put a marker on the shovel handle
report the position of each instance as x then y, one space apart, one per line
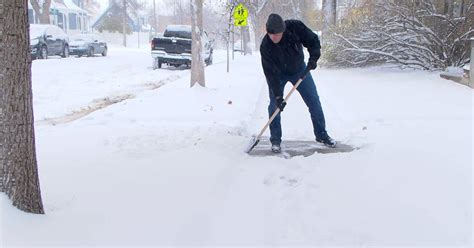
277 111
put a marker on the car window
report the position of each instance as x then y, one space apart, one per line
82 37
180 31
77 38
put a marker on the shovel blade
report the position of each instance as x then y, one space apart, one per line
253 143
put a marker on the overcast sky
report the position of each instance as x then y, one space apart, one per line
159 4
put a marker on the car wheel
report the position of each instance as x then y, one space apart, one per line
43 53
90 52
159 64
155 64
65 52
104 53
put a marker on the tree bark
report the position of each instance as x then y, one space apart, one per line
18 165
42 11
197 62
329 15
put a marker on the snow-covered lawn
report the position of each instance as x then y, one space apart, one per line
164 165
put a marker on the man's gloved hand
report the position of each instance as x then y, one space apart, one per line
280 103
312 64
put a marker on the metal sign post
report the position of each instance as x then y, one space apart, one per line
233 41
240 20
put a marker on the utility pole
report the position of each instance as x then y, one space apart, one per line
124 24
139 29
154 16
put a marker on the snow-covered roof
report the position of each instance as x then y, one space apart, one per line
57 5
100 16
67 5
109 8
63 5
71 5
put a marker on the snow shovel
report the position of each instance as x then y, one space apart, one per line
255 139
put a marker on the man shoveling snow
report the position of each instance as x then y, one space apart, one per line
282 61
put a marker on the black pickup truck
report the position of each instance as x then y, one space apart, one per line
174 47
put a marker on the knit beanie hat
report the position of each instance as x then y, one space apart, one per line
275 24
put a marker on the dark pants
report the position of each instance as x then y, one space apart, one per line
307 90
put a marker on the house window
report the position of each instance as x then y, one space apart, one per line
79 22
72 21
60 17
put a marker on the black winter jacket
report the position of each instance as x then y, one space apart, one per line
287 56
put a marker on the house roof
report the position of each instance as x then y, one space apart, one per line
99 17
64 5
104 13
71 5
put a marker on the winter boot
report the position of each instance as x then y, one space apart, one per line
327 141
276 148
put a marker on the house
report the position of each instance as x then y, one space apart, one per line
137 22
66 14
113 12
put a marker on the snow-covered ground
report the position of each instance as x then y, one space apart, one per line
164 165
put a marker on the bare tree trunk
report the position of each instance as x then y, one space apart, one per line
18 165
197 62
256 8
329 15
124 22
246 39
42 11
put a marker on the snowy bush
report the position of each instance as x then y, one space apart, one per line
420 34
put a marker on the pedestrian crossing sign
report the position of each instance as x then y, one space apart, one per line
240 15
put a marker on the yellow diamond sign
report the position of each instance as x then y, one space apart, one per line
240 15
240 22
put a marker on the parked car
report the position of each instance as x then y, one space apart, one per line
87 44
174 47
48 40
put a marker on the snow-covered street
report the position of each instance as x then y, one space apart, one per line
132 156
